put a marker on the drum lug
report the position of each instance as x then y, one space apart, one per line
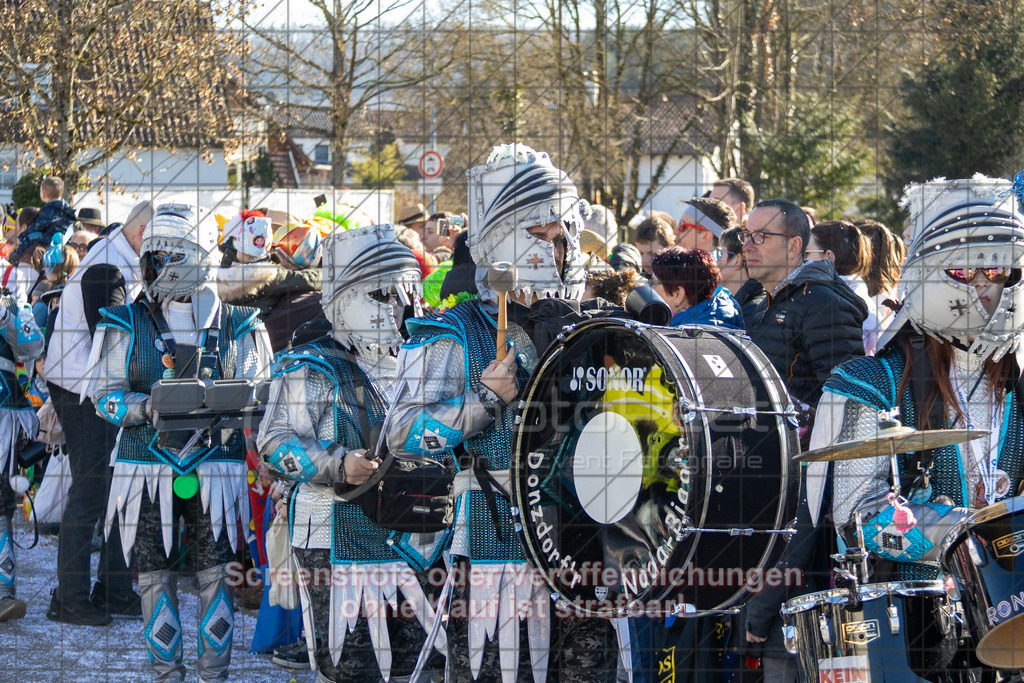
826 633
790 637
894 619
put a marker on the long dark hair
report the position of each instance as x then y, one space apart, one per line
940 358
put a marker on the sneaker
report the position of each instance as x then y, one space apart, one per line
294 656
78 613
127 603
11 608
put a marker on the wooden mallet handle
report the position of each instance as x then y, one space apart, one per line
502 325
502 278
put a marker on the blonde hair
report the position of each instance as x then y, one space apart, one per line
52 187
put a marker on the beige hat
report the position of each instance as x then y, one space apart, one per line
140 213
412 214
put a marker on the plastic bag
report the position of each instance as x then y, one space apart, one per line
284 573
52 494
50 430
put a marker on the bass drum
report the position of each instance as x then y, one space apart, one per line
652 469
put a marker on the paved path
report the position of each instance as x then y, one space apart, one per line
35 649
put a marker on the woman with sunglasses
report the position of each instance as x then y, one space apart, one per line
948 361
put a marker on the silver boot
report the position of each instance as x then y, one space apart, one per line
216 623
159 593
7 565
10 606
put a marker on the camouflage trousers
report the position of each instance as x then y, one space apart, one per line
581 650
358 662
206 550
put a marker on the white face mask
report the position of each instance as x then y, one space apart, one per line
364 317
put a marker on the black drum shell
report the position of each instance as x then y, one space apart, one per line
724 491
922 650
985 553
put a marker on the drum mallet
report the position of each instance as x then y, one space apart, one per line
502 278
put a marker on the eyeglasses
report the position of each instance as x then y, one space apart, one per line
160 261
757 238
997 276
80 247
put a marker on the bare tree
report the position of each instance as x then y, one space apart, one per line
362 56
81 78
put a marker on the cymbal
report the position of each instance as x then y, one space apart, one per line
898 439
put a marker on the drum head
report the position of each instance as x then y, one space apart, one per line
612 474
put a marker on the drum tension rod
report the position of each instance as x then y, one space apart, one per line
741 531
736 410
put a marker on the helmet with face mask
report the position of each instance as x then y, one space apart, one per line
175 254
368 276
518 189
959 229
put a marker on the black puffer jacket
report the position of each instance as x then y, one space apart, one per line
808 327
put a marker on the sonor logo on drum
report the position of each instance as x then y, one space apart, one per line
605 379
1003 609
860 632
1009 546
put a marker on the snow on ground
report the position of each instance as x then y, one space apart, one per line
37 649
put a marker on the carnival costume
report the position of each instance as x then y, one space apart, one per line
180 329
21 341
958 224
442 409
322 394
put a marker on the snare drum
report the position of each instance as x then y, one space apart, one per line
905 631
985 552
651 462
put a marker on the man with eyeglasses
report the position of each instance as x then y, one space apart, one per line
810 323
812 320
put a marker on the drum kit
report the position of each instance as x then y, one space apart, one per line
656 471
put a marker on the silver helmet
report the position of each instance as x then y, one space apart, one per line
175 254
957 225
517 189
368 278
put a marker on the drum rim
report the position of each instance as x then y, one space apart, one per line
867 591
962 529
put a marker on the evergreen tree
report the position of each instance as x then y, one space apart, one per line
964 110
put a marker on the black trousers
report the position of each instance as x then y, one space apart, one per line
90 439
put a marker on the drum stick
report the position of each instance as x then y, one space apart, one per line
502 278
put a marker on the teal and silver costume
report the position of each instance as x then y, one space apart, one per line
311 423
181 323
20 341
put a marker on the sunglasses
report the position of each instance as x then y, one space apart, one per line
684 226
160 261
997 276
